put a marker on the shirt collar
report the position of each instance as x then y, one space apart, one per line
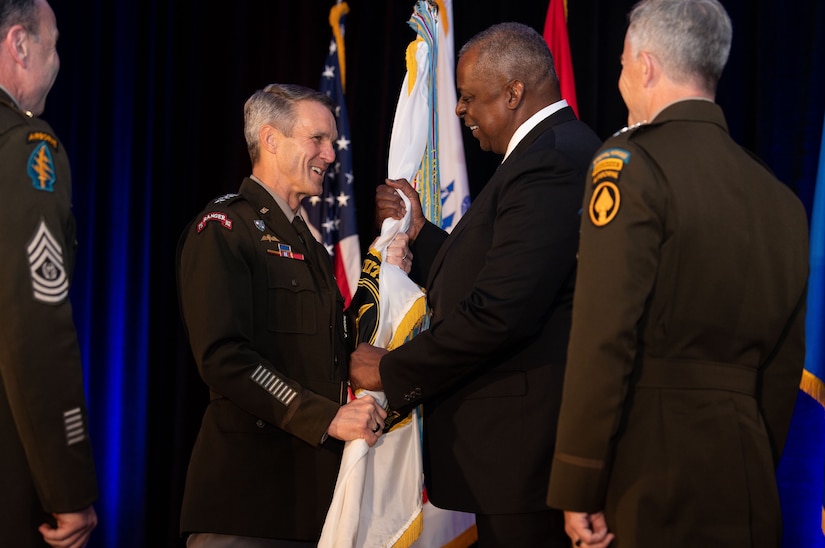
278 200
532 122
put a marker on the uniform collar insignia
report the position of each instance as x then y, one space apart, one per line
629 128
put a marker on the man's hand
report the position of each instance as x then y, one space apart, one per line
398 252
363 367
361 418
587 529
73 529
388 203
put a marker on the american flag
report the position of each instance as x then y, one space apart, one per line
332 214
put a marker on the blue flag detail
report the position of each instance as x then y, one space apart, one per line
801 473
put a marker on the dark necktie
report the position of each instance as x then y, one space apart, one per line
306 236
316 256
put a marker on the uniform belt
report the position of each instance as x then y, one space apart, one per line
696 375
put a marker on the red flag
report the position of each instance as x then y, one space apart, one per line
555 34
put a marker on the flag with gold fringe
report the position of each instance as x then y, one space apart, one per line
801 472
378 498
378 494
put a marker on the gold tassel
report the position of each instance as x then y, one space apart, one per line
813 386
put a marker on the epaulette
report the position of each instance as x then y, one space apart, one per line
12 116
9 103
627 129
226 198
223 200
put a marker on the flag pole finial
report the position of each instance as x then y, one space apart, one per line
335 14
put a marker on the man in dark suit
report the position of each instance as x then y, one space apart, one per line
687 344
266 325
489 370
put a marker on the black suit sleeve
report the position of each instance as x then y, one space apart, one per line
424 248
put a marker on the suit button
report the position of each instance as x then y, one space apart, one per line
259 423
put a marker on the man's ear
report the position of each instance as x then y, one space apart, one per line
17 44
651 69
515 93
270 137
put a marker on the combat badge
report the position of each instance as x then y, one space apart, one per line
50 283
607 169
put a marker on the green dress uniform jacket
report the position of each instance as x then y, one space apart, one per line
46 462
267 329
687 343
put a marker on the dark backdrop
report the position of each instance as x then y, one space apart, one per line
149 105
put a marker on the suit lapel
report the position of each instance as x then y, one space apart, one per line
565 114
490 189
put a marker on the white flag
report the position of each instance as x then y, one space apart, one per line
378 497
455 189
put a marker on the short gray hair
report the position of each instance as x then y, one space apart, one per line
691 38
275 105
18 12
514 50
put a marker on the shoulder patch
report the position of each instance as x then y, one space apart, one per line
219 216
41 167
42 136
50 283
605 174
